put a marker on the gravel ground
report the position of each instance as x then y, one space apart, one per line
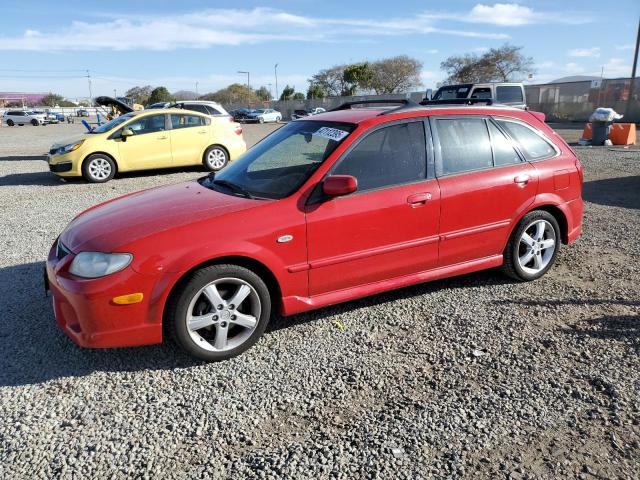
473 377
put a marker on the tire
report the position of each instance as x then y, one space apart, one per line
98 168
35 122
215 158
529 257
10 123
278 119
203 321
260 120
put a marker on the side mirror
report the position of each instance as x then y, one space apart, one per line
338 185
126 132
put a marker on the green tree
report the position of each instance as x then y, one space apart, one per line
233 94
357 76
287 93
503 64
298 96
159 94
52 100
315 91
139 94
263 94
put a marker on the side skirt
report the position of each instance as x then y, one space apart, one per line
296 304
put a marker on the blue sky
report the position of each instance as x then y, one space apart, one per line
47 46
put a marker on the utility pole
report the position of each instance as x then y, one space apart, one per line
633 72
90 94
248 82
275 69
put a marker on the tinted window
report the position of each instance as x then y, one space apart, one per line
503 151
531 143
455 91
212 111
196 108
185 121
484 92
464 145
509 94
390 156
150 124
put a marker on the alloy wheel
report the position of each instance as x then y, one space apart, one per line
223 314
536 247
216 159
99 168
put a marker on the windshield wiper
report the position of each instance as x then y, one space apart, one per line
235 187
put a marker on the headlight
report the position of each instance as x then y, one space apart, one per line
96 264
71 147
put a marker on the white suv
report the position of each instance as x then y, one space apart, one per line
22 117
203 106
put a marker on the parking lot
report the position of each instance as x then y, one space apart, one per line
476 376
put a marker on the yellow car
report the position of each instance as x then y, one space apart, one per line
148 139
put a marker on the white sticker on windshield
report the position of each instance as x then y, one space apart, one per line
331 133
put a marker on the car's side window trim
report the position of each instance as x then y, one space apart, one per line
371 131
512 142
538 132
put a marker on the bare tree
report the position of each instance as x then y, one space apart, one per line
331 80
396 74
139 94
497 65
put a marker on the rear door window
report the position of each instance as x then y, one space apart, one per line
389 156
532 144
179 120
503 151
509 94
212 111
464 145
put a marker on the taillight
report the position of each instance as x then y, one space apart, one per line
238 129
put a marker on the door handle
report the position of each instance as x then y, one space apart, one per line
202 132
164 137
522 180
418 199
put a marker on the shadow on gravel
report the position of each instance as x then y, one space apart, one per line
12 158
35 350
622 328
478 279
614 192
32 178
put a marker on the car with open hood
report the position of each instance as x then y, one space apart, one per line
326 209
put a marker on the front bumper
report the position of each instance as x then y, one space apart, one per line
84 309
65 164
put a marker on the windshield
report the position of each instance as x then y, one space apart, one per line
105 127
279 165
452 92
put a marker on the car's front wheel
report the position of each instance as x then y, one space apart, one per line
260 119
220 312
35 122
215 158
10 123
278 119
98 168
533 246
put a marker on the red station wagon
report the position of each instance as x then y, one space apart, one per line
326 209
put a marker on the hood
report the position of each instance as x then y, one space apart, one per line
68 140
113 224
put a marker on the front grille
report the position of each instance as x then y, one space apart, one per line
61 251
61 167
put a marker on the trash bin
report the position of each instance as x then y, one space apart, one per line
600 132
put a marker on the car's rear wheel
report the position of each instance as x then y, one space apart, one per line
215 158
278 119
10 123
260 120
98 168
533 246
35 122
221 311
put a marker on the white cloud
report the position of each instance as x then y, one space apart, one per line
584 52
617 67
212 27
511 15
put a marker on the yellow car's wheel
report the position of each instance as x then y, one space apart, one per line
98 168
215 158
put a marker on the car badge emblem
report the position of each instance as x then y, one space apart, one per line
285 238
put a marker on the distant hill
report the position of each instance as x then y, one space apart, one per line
575 78
185 95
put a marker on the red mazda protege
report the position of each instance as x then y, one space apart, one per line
326 209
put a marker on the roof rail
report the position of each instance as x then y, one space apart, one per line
405 103
458 101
